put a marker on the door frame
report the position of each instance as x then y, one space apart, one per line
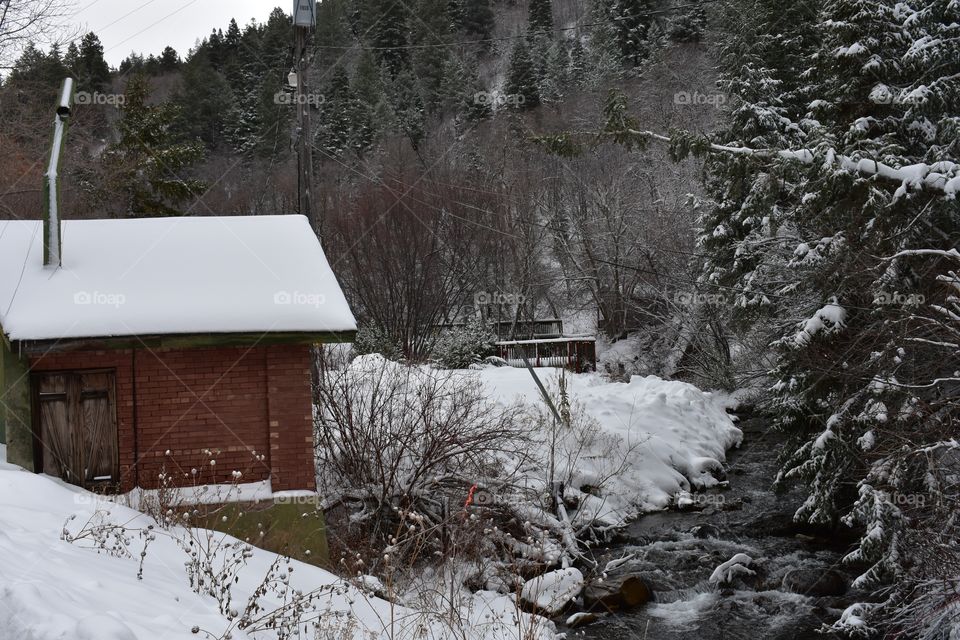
37 427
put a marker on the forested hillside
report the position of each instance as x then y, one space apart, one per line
430 186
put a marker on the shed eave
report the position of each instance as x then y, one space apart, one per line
183 341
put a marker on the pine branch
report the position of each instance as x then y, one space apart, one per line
942 176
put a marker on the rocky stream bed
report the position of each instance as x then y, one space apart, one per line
797 581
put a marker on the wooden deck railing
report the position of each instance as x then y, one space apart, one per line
576 353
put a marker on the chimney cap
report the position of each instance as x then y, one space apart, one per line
65 101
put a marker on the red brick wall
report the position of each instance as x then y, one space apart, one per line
253 405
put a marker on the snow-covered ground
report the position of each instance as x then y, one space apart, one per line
644 443
51 589
653 439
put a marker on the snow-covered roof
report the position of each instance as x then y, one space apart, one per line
161 276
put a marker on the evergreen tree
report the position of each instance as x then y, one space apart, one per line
602 58
133 62
522 86
368 86
169 60
259 121
345 125
476 20
408 109
203 98
429 34
148 165
578 62
215 49
861 377
332 36
151 66
555 78
92 70
72 57
38 75
464 95
540 20
389 34
231 39
631 21
689 26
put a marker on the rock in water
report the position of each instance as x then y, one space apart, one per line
815 582
580 619
736 567
551 592
705 531
616 594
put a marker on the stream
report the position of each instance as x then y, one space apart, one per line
799 582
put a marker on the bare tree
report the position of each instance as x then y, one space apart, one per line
37 21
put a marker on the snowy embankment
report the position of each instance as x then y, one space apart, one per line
54 589
655 439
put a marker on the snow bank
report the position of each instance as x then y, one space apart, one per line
552 591
51 589
657 437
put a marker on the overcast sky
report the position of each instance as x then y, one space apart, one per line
147 26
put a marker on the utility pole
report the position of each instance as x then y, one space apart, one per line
304 22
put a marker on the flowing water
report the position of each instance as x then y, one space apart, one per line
677 551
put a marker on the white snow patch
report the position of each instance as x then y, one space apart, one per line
736 566
828 318
551 591
51 589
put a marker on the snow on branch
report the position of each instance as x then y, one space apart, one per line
941 176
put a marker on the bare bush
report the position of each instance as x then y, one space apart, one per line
395 437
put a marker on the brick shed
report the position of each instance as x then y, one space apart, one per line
160 340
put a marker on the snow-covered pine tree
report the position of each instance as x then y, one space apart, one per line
867 382
335 128
388 29
630 21
148 166
408 109
476 19
203 98
540 17
522 85
429 33
556 73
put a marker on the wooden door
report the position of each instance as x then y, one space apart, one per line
77 427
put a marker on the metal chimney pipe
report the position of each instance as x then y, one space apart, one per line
52 237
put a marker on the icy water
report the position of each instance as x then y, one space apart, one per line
676 552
